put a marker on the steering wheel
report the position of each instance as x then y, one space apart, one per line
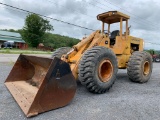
106 32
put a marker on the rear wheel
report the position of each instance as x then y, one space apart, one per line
98 69
61 51
157 59
140 67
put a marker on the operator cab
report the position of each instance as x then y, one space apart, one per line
112 17
113 36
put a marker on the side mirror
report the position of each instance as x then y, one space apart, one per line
129 27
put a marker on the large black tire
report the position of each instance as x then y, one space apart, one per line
139 67
98 69
157 59
61 51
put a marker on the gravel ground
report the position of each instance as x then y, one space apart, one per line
125 101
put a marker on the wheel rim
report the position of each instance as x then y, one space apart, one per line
105 70
146 68
157 59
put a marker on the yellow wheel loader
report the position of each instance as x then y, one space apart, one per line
42 84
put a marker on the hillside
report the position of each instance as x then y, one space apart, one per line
52 40
56 41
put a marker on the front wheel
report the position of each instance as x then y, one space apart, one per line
98 69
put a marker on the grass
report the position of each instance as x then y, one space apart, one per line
18 51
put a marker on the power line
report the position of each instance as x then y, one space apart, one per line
103 4
135 21
56 19
142 23
70 8
153 43
142 19
49 17
93 5
46 16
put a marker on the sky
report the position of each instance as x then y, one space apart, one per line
144 16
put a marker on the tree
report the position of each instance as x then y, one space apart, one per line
34 29
57 41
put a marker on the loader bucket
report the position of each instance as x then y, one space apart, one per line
40 84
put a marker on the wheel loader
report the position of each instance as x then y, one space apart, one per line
42 84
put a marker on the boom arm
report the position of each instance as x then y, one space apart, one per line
85 41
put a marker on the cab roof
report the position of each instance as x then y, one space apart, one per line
112 17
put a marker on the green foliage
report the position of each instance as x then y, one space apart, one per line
10 30
57 41
34 29
153 52
52 40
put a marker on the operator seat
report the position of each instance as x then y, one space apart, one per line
113 36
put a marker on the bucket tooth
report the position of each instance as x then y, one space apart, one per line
41 84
